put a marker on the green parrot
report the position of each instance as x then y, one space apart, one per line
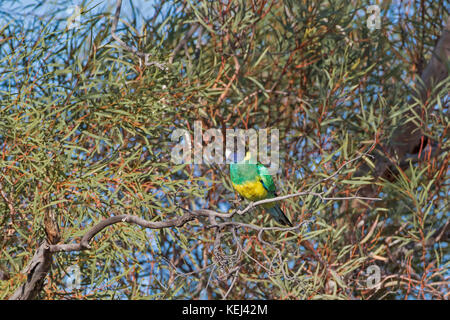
253 182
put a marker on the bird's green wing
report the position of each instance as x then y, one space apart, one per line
266 178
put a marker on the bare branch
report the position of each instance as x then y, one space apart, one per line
84 243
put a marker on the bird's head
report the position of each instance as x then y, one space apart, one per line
249 157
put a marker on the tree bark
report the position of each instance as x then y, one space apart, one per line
36 272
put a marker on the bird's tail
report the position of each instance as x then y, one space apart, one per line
279 215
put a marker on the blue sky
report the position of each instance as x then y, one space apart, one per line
28 9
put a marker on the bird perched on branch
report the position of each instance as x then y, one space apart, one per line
253 182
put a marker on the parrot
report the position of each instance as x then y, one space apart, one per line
253 182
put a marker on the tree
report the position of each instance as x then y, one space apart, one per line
87 183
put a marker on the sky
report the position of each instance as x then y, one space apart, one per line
27 9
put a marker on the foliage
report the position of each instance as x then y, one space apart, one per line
85 132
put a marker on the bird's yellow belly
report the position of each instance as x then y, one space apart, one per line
252 191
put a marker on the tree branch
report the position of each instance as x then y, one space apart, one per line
40 264
84 243
36 272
